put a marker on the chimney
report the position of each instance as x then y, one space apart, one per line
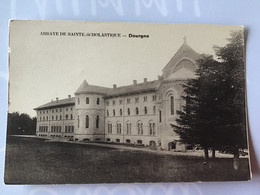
134 82
114 86
160 77
145 80
69 96
57 99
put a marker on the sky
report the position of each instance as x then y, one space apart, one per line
43 67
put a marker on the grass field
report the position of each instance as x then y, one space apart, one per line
34 161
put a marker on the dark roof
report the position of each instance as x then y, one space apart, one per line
57 103
86 88
141 87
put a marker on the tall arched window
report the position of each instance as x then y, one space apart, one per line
172 105
87 122
97 101
60 117
145 110
87 100
140 128
71 116
46 118
128 128
120 112
128 111
114 112
78 121
152 128
109 127
136 111
97 122
118 126
107 112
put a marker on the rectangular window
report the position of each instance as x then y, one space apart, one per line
114 102
120 102
128 100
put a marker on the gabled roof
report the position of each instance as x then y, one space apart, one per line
184 52
57 103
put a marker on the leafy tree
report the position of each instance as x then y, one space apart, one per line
21 124
214 115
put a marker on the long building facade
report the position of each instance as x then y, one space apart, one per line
140 113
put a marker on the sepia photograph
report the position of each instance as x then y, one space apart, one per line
106 102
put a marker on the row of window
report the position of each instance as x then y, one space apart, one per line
55 110
145 111
128 100
69 129
56 129
43 128
87 100
87 121
56 118
139 126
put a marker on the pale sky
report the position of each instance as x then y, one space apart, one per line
45 67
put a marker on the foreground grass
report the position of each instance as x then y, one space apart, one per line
33 161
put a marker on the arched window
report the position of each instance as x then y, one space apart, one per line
160 116
52 117
118 128
128 128
136 111
97 122
140 128
87 121
172 105
152 128
46 118
114 112
66 116
60 117
109 128
107 112
97 101
71 116
145 110
78 121
128 111
56 117
87 100
120 112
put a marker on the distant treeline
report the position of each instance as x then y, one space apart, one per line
20 124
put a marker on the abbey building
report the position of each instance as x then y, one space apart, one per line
140 113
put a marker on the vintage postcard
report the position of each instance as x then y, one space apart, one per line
103 102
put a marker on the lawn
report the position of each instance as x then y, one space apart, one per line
34 161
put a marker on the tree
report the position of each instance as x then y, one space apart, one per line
195 124
214 115
19 124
